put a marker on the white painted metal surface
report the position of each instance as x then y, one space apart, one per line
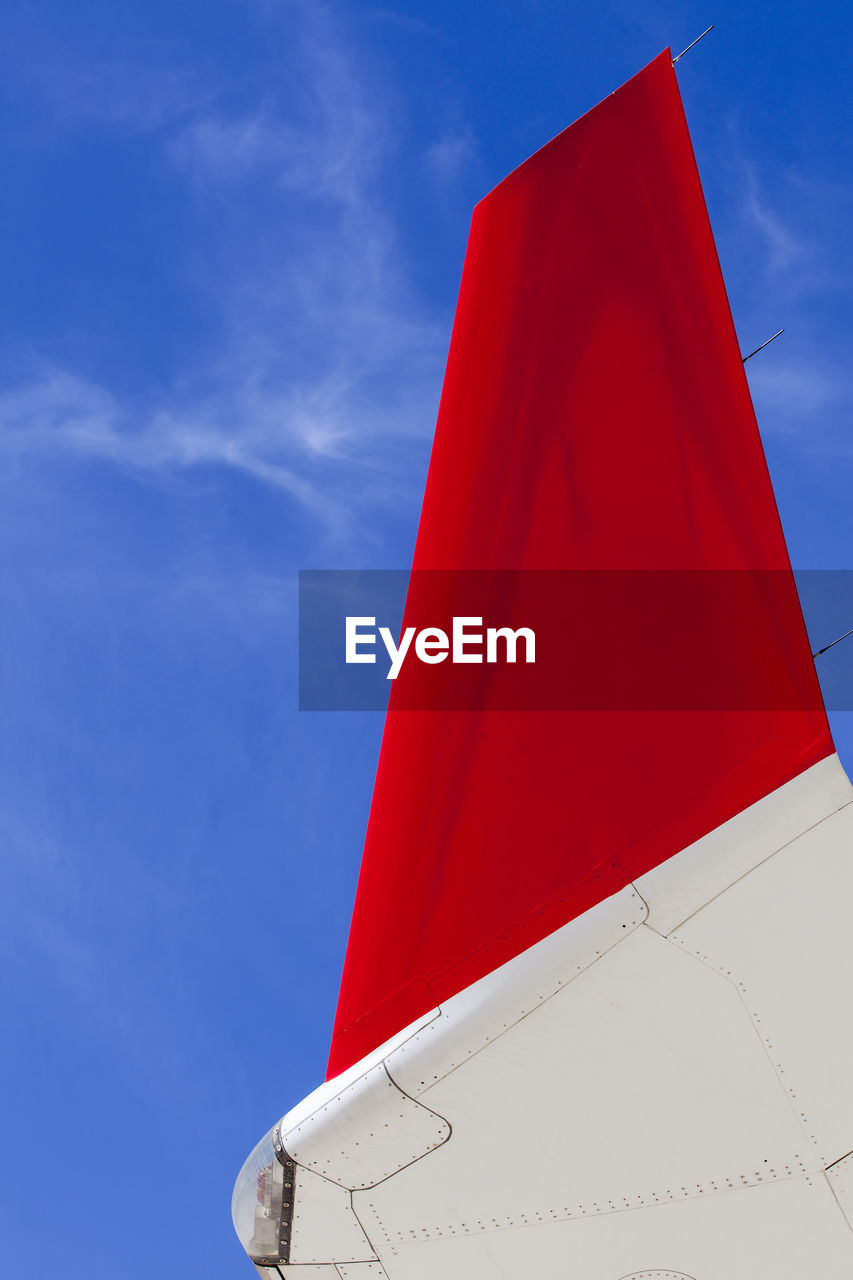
840 1178
368 1132
327 1272
659 1089
363 1271
782 937
324 1225
791 1230
576 1095
488 1008
681 886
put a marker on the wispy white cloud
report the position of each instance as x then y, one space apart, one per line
329 362
58 410
312 443
784 248
780 276
125 96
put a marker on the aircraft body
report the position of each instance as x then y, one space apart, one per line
594 1018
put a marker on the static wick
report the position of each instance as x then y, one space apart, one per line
690 46
829 646
763 345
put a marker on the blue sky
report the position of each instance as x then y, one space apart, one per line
231 239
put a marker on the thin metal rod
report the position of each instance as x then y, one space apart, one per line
690 46
829 646
763 345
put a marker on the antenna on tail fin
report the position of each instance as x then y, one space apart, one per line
690 46
834 643
763 345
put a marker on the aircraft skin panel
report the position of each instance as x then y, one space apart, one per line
788 947
840 1179
342 1143
641 1077
327 1271
613 1101
677 889
363 1271
306 1272
473 1018
784 1231
324 1225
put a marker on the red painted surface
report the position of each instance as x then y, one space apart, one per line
595 415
